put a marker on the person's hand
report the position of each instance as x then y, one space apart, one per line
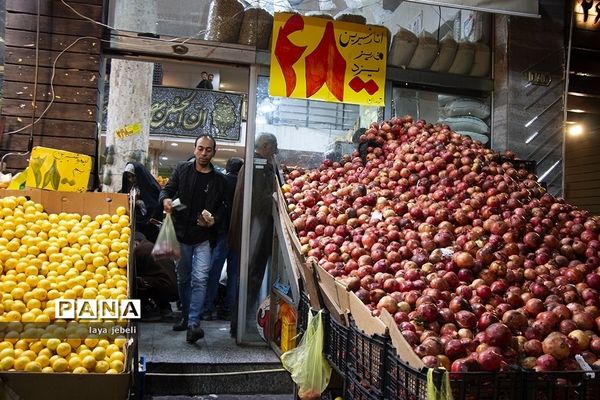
168 205
141 206
205 219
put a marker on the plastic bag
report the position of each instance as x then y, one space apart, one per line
166 245
306 363
443 392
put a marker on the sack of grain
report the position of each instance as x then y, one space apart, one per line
256 28
403 47
425 52
447 52
224 20
347 16
482 60
463 61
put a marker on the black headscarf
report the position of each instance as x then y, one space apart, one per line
149 190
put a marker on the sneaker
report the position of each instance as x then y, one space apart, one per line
194 333
181 325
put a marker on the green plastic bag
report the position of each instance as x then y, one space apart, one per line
444 392
306 363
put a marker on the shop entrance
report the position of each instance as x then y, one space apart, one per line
179 113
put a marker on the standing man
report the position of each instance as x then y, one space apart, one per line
264 172
221 253
205 83
201 190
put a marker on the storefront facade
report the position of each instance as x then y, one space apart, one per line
485 73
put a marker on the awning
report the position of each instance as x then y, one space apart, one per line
523 8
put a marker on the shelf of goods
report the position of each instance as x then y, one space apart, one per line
435 252
57 246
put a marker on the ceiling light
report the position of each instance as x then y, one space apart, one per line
164 158
575 130
174 144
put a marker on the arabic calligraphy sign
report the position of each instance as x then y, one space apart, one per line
318 59
190 112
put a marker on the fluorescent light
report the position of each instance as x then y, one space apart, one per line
545 174
164 158
530 138
174 144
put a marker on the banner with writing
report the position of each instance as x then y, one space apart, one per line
318 59
190 112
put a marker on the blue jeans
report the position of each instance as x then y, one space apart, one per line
192 277
221 252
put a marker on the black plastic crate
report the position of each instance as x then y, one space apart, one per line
367 357
405 382
358 389
563 385
336 345
402 381
302 315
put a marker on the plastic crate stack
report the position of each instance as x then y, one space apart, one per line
336 345
373 371
366 362
302 317
405 382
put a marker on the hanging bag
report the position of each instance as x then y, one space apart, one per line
166 245
306 363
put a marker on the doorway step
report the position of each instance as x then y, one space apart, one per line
214 365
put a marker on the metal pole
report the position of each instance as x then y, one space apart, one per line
245 236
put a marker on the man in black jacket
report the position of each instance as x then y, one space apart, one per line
202 191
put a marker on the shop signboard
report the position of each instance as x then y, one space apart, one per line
318 59
525 8
191 112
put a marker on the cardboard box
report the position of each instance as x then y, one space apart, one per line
66 386
403 349
364 320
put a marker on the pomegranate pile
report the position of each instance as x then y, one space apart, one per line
480 266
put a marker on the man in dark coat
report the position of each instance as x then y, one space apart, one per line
264 172
201 190
221 252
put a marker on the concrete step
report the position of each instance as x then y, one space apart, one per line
163 379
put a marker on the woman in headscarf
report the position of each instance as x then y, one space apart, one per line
138 179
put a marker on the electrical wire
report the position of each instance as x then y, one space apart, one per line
52 82
34 101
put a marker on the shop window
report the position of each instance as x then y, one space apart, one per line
466 115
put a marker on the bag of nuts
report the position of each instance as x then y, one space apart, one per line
256 28
224 21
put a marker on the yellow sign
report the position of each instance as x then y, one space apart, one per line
53 169
129 130
318 59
